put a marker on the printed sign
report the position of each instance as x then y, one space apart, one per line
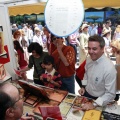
64 17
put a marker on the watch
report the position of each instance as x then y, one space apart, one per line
95 104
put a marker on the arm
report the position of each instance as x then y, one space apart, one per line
25 69
50 80
61 55
18 58
18 55
30 65
63 58
81 91
55 83
56 80
77 41
28 117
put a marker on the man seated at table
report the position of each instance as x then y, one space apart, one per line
100 75
11 104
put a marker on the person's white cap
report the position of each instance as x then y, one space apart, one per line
84 26
105 31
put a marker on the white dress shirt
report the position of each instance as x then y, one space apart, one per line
93 31
101 79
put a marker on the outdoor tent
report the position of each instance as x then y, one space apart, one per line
21 7
39 7
7 36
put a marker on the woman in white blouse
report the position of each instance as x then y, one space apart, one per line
38 37
83 42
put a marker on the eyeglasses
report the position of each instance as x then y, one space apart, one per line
20 98
57 38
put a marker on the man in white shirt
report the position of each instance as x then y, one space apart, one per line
93 31
100 75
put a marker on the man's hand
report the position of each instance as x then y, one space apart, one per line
41 77
88 106
48 78
81 91
59 47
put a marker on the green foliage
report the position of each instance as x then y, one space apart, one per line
18 19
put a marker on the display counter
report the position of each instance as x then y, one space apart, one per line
37 97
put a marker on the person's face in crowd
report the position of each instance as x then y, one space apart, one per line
17 36
57 41
46 32
85 29
109 24
35 54
48 67
94 50
16 110
38 33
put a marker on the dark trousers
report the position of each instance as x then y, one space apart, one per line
86 94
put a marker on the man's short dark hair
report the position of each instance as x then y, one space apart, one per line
5 102
97 38
35 46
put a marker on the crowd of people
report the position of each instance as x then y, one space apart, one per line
54 59
40 42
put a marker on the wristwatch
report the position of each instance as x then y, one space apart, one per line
95 104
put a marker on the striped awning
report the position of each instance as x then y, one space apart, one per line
99 4
39 7
27 9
